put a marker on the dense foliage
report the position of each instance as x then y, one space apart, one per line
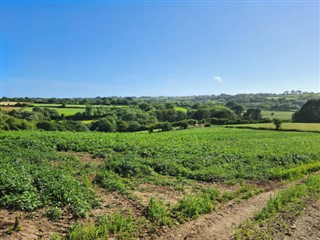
29 179
309 112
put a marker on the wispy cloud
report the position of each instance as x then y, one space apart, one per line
217 79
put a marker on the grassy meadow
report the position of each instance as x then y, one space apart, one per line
277 114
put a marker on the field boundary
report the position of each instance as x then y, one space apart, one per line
273 129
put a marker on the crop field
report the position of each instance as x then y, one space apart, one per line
64 185
277 114
312 127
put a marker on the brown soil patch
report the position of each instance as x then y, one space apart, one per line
166 194
33 225
114 202
170 196
307 225
86 157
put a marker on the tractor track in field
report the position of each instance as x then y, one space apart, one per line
221 224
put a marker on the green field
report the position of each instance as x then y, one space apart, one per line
63 175
204 154
285 126
66 111
277 114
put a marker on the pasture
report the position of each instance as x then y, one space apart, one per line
277 114
68 111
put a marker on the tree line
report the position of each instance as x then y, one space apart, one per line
145 116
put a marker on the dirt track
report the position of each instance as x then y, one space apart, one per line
220 224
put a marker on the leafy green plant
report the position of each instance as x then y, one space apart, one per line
111 181
53 213
114 225
191 206
157 212
81 231
118 225
213 193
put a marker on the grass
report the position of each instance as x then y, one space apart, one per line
277 114
314 127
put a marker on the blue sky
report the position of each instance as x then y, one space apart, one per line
168 48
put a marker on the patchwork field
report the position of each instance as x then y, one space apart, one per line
167 185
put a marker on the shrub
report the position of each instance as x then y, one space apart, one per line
46 125
277 122
166 127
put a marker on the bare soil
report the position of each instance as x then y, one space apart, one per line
33 225
166 194
307 225
86 157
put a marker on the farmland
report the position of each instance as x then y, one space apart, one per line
312 127
277 114
98 184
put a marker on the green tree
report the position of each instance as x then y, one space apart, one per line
238 109
309 112
104 125
277 122
166 127
89 110
253 114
